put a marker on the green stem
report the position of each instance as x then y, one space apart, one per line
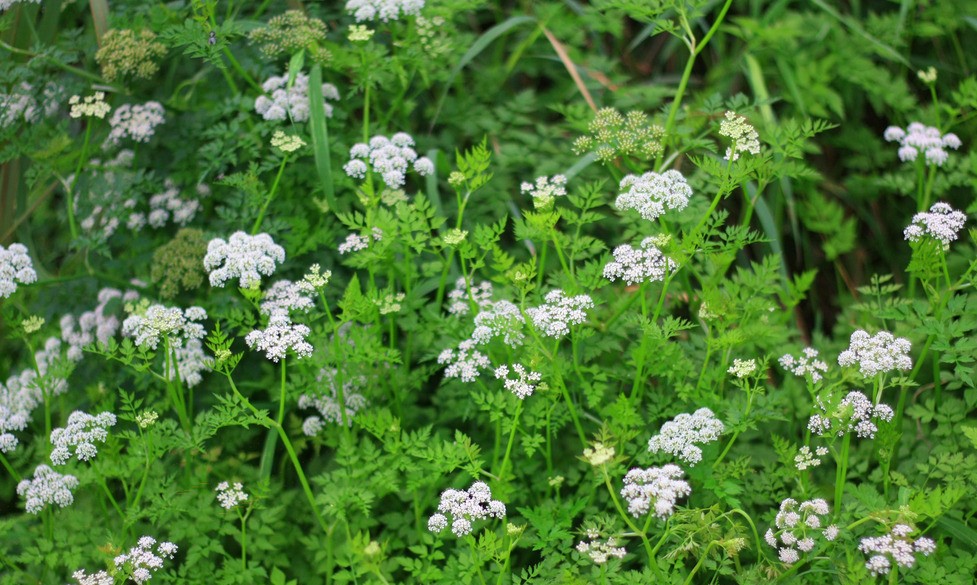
10 469
271 195
649 551
72 226
512 437
842 471
702 559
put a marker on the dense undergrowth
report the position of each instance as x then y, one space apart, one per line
448 291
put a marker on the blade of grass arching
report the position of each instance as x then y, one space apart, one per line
770 231
100 18
571 68
480 44
584 162
48 29
320 136
852 25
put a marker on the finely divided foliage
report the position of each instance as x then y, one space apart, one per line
500 293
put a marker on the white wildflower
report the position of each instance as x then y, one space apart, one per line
279 336
459 298
464 362
384 10
230 495
600 550
554 317
743 135
523 384
655 490
282 102
876 354
47 487
652 194
148 326
391 158
243 257
742 368
634 265
918 138
461 508
805 458
678 437
191 362
545 190
141 562
806 364
503 319
15 267
797 526
941 222
855 412
286 142
135 121
92 105
81 433
288 296
897 547
99 578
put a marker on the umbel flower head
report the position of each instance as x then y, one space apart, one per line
600 550
15 267
798 527
383 10
81 433
282 102
135 121
465 362
243 257
148 324
141 562
279 336
92 106
855 413
523 384
230 495
326 402
391 158
127 53
941 222
502 319
613 135
678 437
461 508
896 547
652 194
655 488
918 138
289 32
637 265
555 316
743 135
807 364
47 487
545 190
876 354
459 298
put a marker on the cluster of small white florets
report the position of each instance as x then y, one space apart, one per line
157 321
191 362
327 403
27 390
356 242
141 562
555 316
805 458
919 137
876 354
503 319
941 222
291 102
797 526
459 298
384 10
742 368
636 265
82 432
96 325
461 508
135 121
523 384
20 103
464 362
93 105
545 190
389 157
652 194
47 487
285 295
99 578
655 487
100 209
897 546
743 135
678 437
600 550
243 257
163 206
230 495
806 364
15 267
279 336
855 412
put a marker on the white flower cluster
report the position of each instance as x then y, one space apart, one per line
941 223
158 321
503 319
230 495
135 121
327 403
897 546
191 362
82 432
742 368
554 317
805 458
462 508
797 526
599 550
458 299
523 384
92 105
141 562
652 194
855 412
162 207
21 104
286 142
243 257
545 190
355 242
385 10
25 391
919 137
464 362
96 325
807 364
678 437
389 157
876 354
15 266
285 295
291 102
279 336
99 578
634 265
655 487
47 487
743 135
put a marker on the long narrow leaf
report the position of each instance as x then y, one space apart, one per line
100 18
571 68
320 137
